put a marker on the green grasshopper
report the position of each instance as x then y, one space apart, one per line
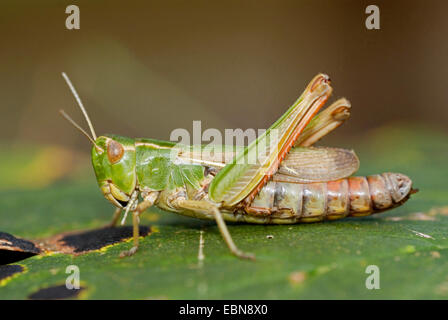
288 181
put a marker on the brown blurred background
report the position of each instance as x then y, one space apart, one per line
144 68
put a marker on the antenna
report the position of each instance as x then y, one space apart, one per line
77 126
81 106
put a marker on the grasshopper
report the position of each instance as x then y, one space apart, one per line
289 182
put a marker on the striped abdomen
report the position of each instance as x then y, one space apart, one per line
309 202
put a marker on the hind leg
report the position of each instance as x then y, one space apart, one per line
209 208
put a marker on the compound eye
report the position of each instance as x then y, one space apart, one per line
115 151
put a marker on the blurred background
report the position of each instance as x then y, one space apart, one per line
144 68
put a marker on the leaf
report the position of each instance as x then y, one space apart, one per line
307 261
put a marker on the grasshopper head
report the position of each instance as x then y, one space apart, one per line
113 159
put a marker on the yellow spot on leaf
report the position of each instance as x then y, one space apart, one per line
408 249
54 271
297 278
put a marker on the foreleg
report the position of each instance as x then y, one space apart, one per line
148 202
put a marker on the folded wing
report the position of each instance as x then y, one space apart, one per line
317 164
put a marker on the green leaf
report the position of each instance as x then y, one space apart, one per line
308 261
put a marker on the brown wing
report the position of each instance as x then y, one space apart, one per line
317 164
301 165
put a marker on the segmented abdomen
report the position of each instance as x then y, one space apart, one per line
353 196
